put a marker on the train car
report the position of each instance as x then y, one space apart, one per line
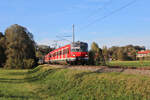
74 53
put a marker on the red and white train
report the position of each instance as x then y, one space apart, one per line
74 53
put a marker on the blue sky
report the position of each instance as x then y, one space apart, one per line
47 19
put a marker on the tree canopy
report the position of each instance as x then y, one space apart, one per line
2 50
95 55
42 50
125 52
20 49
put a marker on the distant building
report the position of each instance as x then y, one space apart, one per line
141 54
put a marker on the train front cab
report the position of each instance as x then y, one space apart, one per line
79 53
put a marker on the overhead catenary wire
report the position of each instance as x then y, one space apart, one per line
92 14
100 8
61 38
107 15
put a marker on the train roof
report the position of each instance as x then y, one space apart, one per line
78 42
60 48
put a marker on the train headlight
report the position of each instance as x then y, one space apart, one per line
73 55
86 55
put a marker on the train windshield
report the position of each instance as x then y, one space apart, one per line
79 47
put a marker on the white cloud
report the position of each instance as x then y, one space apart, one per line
46 41
123 41
52 42
117 41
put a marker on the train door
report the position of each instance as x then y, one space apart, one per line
66 53
62 54
56 55
59 54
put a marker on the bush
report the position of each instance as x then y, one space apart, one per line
28 63
95 55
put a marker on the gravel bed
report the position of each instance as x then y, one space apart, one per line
105 69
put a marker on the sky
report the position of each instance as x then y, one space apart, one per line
49 19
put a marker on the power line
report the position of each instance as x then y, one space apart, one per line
63 39
111 13
100 8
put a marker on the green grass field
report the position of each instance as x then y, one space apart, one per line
48 83
129 63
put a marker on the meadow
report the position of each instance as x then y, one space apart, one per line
129 63
50 83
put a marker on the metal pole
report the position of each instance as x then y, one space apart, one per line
73 34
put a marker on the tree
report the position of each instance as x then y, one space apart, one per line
126 52
105 53
95 55
121 54
20 47
102 59
2 50
42 50
113 52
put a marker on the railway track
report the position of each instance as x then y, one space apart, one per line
105 69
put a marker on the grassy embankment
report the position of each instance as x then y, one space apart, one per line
137 64
47 83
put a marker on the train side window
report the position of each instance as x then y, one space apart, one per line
64 51
68 51
60 52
